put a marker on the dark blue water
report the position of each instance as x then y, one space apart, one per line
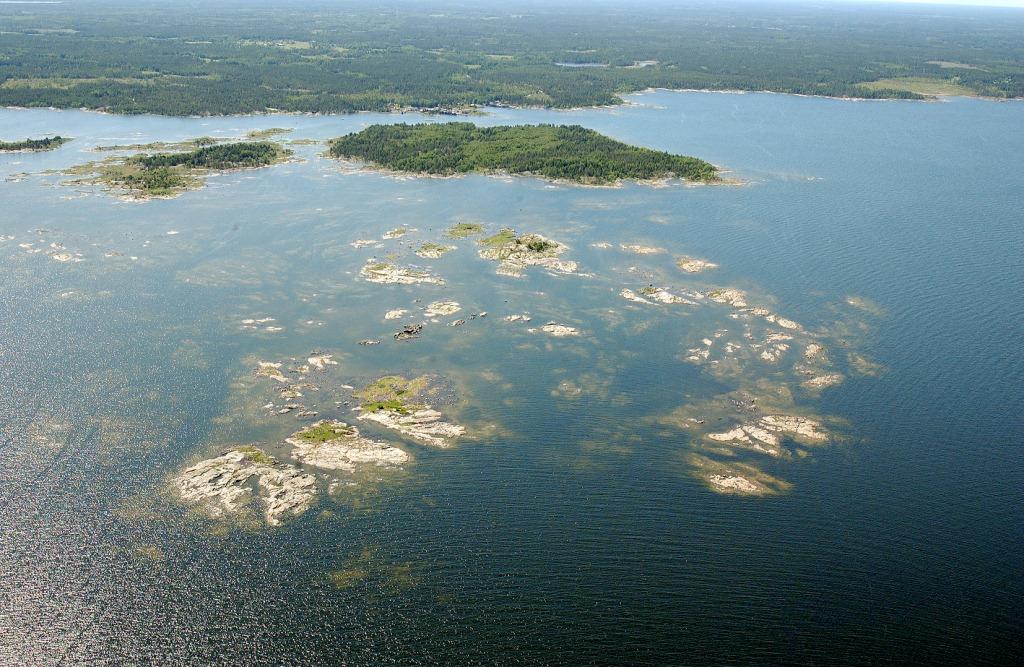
575 533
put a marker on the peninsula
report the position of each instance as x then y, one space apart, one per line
44 144
167 174
568 152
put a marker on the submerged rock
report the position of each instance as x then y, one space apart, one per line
735 478
814 352
775 346
861 365
321 361
699 354
641 249
733 484
800 429
270 369
335 445
229 483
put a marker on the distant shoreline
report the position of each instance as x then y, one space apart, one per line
484 110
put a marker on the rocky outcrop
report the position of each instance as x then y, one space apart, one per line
321 361
424 425
409 331
516 253
664 296
440 308
735 478
694 265
270 369
433 250
729 296
641 249
335 445
823 381
630 295
558 330
386 273
231 482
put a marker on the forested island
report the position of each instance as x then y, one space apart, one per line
225 156
44 144
569 152
166 174
225 58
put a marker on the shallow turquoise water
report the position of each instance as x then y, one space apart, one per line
577 534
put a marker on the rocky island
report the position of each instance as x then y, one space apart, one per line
335 445
562 152
397 403
230 483
515 252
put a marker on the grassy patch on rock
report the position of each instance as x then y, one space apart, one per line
325 431
392 393
463 229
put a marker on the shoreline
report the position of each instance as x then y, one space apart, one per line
844 98
359 167
485 110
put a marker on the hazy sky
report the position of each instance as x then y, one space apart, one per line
977 3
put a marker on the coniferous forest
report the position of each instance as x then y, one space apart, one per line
44 144
554 151
189 57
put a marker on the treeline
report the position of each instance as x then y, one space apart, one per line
223 156
44 144
552 151
217 58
